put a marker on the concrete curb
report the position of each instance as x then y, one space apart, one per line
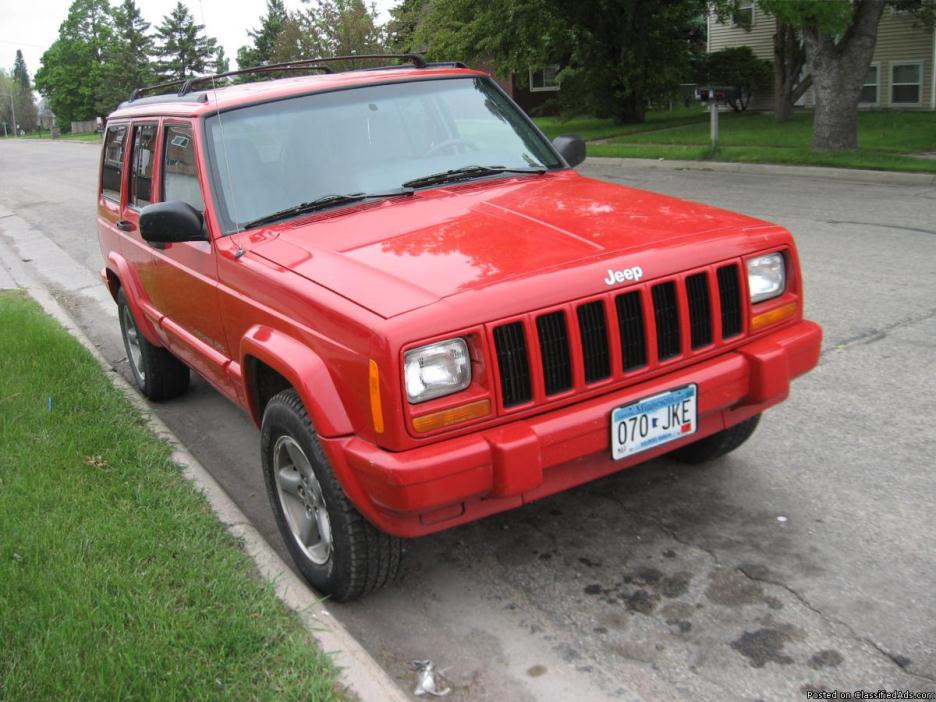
840 174
358 670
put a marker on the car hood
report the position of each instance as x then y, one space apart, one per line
396 255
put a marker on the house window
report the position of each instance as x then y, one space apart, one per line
872 82
906 82
743 15
542 79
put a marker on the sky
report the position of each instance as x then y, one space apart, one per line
33 25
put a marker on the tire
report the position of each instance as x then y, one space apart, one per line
717 445
157 373
338 551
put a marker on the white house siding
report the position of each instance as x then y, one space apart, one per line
759 38
900 40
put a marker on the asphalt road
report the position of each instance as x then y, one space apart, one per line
804 560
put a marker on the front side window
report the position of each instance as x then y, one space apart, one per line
112 161
141 170
869 92
180 169
269 157
905 83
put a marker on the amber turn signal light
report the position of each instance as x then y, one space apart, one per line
376 407
765 319
456 415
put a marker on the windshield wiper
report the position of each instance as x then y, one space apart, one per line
320 203
465 173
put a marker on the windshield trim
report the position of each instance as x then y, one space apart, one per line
229 227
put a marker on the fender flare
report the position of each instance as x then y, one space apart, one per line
305 371
133 290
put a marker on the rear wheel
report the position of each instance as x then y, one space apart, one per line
717 445
338 551
157 373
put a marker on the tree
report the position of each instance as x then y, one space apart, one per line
127 64
839 38
736 67
264 38
71 76
330 28
617 56
221 63
404 20
790 81
183 49
26 113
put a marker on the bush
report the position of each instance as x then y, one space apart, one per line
737 68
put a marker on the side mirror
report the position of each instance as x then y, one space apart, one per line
571 148
171 222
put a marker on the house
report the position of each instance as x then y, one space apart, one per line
901 74
530 89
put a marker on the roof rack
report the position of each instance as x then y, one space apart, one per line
319 64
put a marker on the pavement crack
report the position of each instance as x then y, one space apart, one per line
873 335
896 660
882 226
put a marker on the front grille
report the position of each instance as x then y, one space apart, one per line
641 313
729 293
554 352
666 311
700 310
631 325
511 347
594 332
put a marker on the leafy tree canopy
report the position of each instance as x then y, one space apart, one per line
71 75
182 46
264 38
618 56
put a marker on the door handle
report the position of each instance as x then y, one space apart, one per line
125 225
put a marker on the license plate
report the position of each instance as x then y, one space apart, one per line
653 421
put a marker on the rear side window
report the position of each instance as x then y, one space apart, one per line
141 172
180 172
112 163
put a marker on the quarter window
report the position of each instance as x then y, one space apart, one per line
869 92
141 173
180 171
906 79
112 162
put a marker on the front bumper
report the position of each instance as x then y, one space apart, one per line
417 492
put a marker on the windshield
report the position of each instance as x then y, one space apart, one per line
271 157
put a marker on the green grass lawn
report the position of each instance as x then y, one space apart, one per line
116 579
884 139
92 137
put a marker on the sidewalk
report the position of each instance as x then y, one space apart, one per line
841 174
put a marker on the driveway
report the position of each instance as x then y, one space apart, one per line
805 560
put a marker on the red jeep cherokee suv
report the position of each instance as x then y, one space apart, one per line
430 315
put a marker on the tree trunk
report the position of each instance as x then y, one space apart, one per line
838 71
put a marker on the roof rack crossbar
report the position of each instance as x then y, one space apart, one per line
314 64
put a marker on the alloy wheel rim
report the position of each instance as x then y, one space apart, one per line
301 498
132 338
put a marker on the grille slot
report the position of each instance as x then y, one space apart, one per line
631 327
594 334
511 347
700 310
554 352
729 294
666 313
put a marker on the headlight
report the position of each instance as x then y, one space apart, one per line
436 370
766 276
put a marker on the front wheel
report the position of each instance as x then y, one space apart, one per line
338 551
719 444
